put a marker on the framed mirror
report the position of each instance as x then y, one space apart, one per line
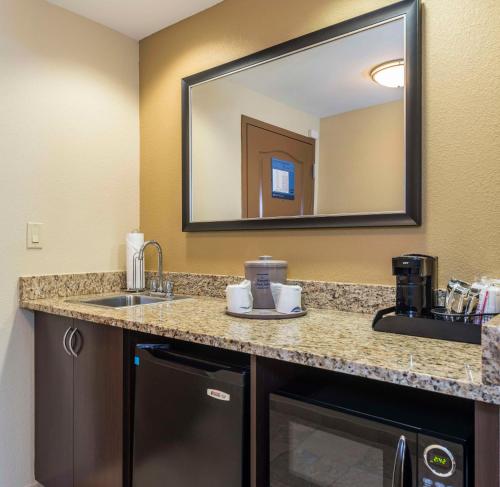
320 131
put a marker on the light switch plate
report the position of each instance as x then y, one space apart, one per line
34 235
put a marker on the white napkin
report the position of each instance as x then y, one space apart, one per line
239 297
287 298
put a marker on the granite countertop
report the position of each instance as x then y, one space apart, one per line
325 338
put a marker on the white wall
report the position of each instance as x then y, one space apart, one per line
216 142
69 157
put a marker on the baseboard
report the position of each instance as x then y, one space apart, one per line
36 484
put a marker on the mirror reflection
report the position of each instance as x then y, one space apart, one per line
317 132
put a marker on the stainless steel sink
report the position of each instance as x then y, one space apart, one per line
125 300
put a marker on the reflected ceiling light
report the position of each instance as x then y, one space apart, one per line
390 74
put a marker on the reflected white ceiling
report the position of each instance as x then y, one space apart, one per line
136 18
332 78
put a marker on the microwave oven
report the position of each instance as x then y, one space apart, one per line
314 443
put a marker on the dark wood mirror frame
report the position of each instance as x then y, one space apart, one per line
413 127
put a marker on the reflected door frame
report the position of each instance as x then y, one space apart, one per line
249 121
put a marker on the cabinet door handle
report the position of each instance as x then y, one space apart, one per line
70 342
65 345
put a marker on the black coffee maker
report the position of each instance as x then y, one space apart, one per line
416 296
416 281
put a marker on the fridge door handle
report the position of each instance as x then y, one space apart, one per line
170 362
399 474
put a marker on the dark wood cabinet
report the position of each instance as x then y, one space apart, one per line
84 390
53 402
487 451
78 403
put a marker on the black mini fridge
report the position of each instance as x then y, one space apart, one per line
190 421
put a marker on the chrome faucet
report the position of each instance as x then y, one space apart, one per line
140 256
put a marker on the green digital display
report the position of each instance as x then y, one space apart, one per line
439 460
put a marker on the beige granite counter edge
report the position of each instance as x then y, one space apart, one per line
469 390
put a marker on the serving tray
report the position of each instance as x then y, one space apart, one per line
267 314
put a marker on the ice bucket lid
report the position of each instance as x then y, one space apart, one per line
266 261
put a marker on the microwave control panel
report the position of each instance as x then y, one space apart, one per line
441 463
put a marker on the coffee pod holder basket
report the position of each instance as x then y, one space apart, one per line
464 328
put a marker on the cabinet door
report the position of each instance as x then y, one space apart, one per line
98 405
53 402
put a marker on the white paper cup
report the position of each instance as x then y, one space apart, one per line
289 299
239 298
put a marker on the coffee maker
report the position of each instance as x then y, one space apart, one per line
416 298
416 281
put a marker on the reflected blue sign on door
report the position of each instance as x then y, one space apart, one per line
282 179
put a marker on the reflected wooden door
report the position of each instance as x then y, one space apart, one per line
277 171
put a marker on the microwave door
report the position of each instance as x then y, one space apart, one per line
313 446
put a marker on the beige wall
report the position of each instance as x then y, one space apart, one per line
461 142
362 161
217 108
69 149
